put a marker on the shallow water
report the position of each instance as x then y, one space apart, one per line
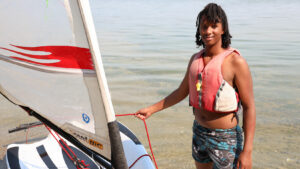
146 46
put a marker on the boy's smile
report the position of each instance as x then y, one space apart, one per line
211 33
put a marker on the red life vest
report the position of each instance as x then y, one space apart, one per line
207 88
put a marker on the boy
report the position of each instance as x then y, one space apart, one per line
218 82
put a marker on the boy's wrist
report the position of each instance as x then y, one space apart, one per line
247 150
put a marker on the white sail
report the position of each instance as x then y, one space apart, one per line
50 62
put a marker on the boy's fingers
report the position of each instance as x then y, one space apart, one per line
238 165
139 116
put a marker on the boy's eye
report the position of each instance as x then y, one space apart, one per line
206 26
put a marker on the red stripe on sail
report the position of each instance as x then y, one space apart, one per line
67 56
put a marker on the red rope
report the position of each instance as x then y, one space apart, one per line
66 144
27 131
118 115
150 143
82 161
59 143
79 164
147 137
139 159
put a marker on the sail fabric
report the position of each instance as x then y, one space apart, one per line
46 64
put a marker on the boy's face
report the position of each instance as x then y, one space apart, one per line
211 33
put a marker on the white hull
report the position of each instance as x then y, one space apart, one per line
47 153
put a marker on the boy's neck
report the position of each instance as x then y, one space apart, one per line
214 50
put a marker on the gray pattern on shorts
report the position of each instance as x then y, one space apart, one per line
220 146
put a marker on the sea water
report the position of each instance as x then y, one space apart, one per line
146 46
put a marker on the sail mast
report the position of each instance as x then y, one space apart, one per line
118 155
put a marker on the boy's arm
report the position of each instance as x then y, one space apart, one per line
176 96
243 81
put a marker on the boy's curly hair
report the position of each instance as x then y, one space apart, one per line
213 13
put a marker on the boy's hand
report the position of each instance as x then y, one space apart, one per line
245 160
143 113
